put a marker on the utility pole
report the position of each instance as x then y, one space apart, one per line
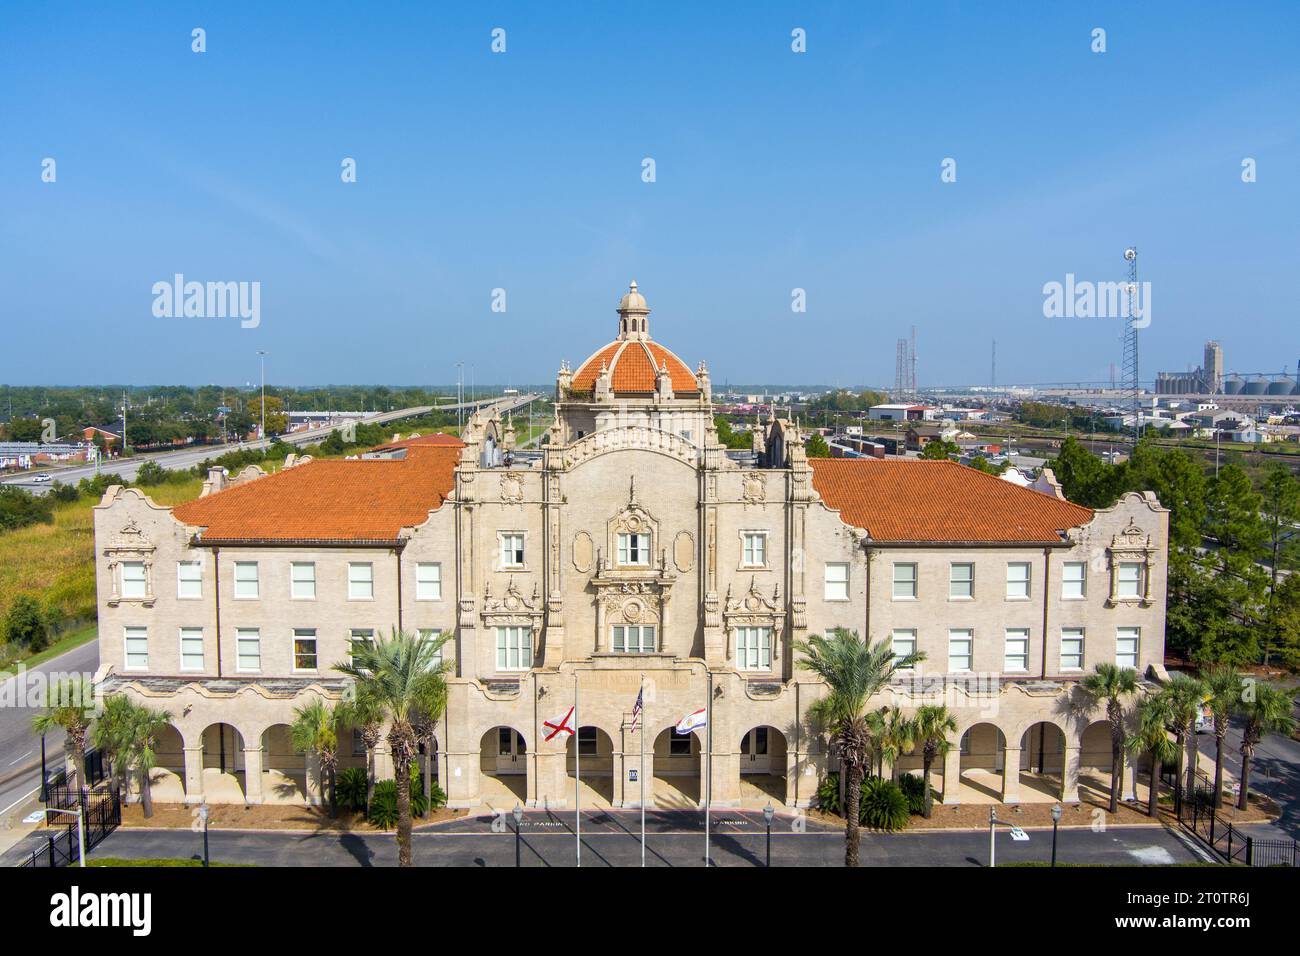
1130 366
262 354
460 396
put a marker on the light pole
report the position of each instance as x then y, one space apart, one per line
45 779
81 831
1056 818
519 819
262 356
1017 834
460 396
768 814
204 813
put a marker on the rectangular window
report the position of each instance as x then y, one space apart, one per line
904 643
364 635
248 649
587 741
133 579
633 639
135 644
1072 649
1126 647
754 648
512 549
1017 650
302 580
246 585
361 581
1074 580
754 554
304 649
634 549
358 743
837 582
961 580
1017 580
191 648
514 648
904 582
679 745
960 643
429 634
428 582
189 579
1130 579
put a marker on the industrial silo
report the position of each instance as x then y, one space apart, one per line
1256 386
1233 384
1283 385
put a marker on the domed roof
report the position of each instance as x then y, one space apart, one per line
633 360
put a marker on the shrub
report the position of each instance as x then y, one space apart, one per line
64 493
828 794
383 805
883 805
94 488
350 788
25 624
151 473
913 788
19 508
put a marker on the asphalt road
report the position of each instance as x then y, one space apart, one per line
189 457
1275 772
20 746
673 839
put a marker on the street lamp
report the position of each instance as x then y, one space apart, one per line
768 814
204 812
1017 834
45 779
519 819
81 831
1056 818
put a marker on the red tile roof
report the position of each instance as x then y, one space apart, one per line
940 501
433 438
330 500
633 366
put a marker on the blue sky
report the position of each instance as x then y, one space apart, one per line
522 171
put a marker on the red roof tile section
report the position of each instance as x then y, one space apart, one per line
940 501
434 438
633 365
330 500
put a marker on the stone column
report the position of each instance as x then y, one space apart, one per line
194 774
952 776
1070 775
253 774
383 762
1011 775
314 782
1129 787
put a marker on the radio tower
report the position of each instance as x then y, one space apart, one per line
1129 368
912 377
900 369
993 373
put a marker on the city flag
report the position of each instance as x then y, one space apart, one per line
636 710
692 721
561 726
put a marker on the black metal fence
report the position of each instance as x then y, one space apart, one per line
1196 814
102 815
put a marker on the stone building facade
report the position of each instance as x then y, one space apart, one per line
631 552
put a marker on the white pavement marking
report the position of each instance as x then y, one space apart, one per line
21 799
1152 855
1194 846
28 754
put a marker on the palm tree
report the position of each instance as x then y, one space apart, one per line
129 732
400 677
898 738
1111 683
69 709
367 717
112 735
1223 685
933 723
315 730
1151 737
1267 711
854 672
1184 695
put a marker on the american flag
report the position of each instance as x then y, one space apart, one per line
636 710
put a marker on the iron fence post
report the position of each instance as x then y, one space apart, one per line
1250 850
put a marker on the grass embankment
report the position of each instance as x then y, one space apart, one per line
56 562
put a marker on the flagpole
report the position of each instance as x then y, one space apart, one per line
708 767
577 768
641 772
